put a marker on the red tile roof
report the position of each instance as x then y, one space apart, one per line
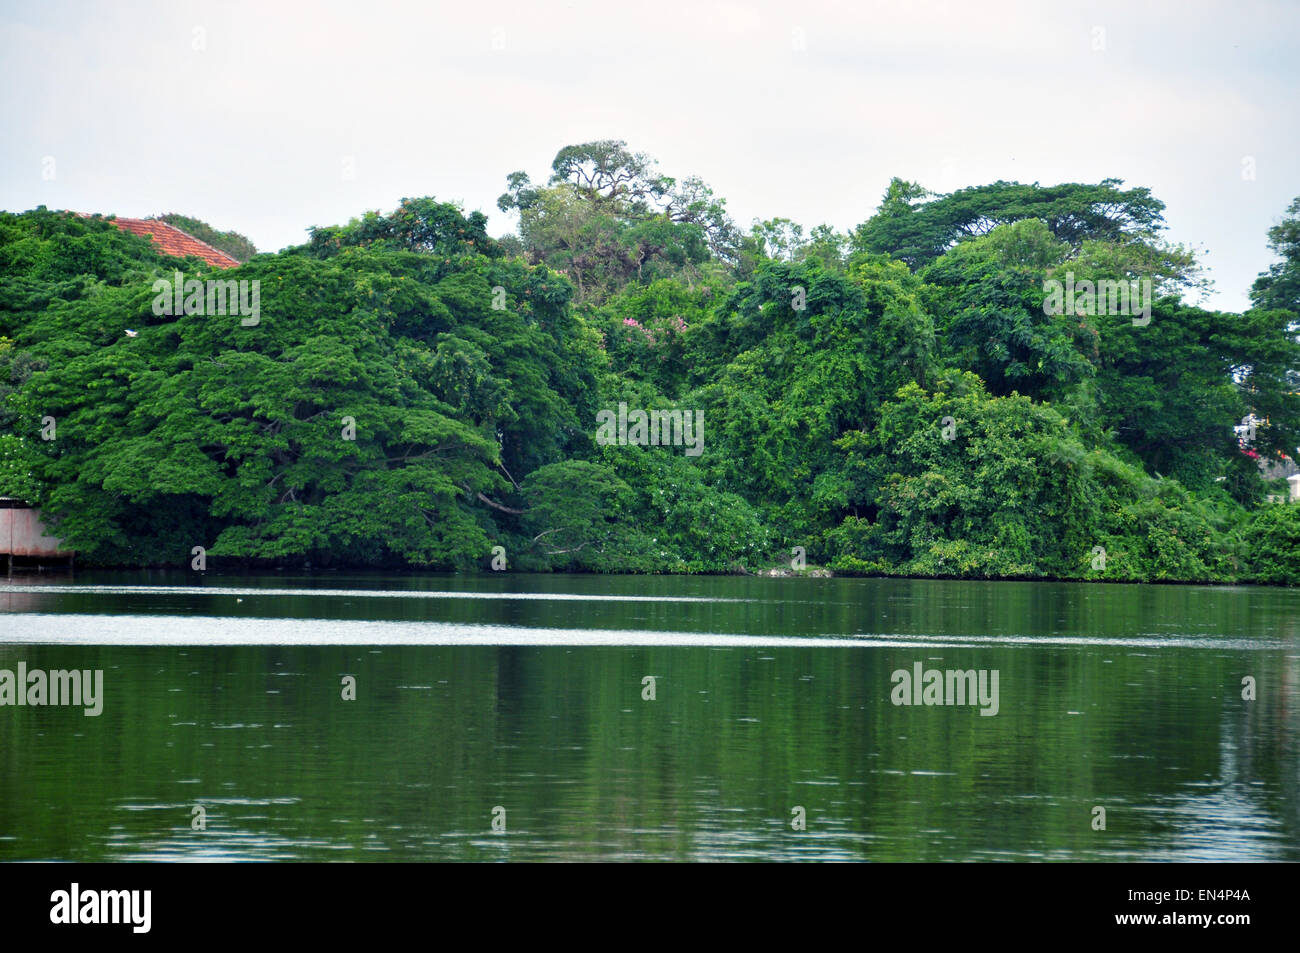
170 240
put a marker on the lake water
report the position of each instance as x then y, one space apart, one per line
520 700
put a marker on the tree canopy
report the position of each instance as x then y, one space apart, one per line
901 399
918 226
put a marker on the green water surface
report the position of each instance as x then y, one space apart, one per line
520 698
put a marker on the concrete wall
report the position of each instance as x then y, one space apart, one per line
23 534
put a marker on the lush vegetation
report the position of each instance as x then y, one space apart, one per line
893 400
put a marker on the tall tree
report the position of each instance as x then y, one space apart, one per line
1279 287
608 218
918 226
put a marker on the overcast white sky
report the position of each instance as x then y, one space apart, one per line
244 114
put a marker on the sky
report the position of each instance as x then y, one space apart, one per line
269 118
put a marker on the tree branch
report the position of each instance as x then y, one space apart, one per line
499 506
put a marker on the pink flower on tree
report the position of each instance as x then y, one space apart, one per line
634 323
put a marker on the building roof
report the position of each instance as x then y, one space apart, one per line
170 240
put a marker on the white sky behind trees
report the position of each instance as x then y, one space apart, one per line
797 109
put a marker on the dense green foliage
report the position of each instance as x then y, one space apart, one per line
897 400
918 227
1279 287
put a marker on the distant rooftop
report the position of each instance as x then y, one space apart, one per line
170 240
